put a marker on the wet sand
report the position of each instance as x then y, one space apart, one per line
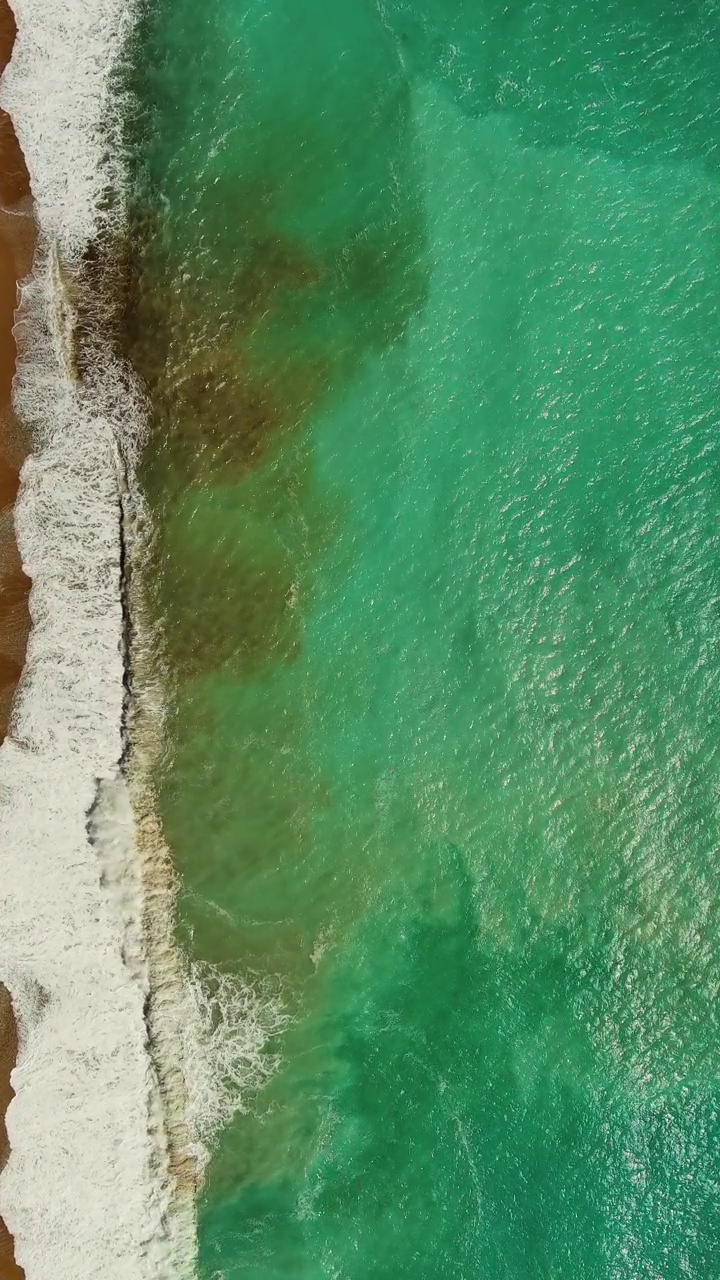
9 1269
16 247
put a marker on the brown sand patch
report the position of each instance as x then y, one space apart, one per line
17 240
9 1269
9 484
15 257
8 32
16 249
14 178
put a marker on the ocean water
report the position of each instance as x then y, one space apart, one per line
427 309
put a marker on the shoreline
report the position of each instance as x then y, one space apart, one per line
17 244
101 1176
9 1269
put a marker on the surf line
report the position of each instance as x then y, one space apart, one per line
99 1177
17 241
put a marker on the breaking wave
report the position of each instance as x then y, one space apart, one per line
126 1065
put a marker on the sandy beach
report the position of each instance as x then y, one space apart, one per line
9 1270
16 248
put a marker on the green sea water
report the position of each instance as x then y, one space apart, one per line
428 311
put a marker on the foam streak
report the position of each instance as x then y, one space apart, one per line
86 1191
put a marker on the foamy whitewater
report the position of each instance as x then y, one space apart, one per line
129 1060
87 1190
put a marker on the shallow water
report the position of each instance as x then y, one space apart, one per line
428 314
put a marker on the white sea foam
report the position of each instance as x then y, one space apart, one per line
129 1060
226 1059
86 1191
56 89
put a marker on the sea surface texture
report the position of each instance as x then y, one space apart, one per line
428 313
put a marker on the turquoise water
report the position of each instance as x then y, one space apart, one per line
428 313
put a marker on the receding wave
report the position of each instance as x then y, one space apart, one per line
86 1189
127 1062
